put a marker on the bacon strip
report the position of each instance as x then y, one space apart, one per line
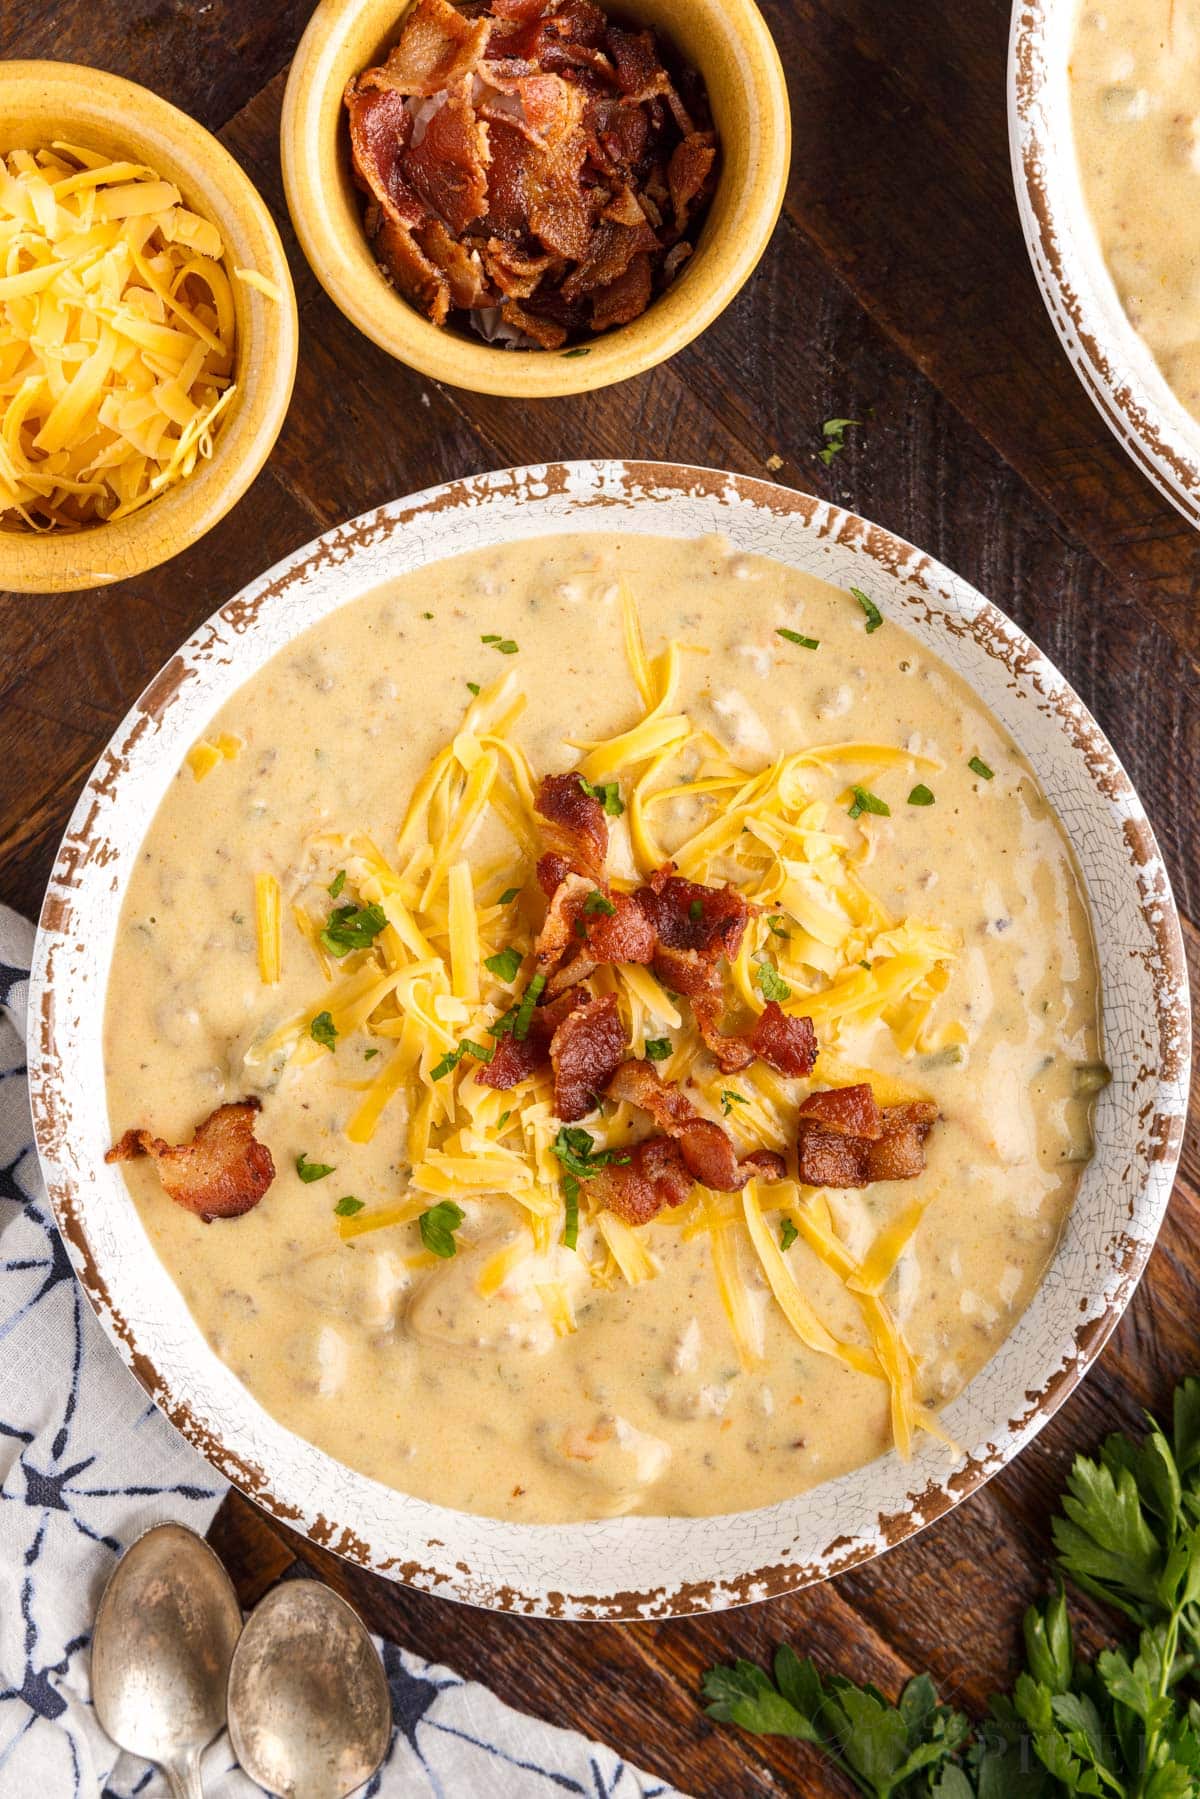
586 1050
654 1178
222 1173
787 1044
707 1150
437 47
845 1139
515 1059
573 825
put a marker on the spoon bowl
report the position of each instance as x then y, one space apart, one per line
164 1638
310 1715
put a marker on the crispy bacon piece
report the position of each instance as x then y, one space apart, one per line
707 1150
688 173
513 270
461 268
515 1059
625 298
414 274
599 926
542 330
573 825
449 167
222 1173
654 1178
438 47
845 1139
557 935
789 1045
695 927
585 1051
380 127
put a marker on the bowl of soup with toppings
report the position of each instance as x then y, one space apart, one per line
611 1039
1104 131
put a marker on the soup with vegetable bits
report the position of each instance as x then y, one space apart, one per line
604 1025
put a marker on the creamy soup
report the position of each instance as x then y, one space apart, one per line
917 898
1135 91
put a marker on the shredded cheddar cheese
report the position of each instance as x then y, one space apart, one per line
267 927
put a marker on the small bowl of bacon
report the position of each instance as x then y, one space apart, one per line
148 329
534 197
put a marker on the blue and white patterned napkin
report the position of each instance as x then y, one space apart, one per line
86 1464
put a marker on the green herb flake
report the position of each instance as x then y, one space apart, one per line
337 883
505 964
979 767
579 350
481 1052
608 793
323 1030
576 1150
834 432
658 1048
347 1206
503 1120
787 1234
311 1171
369 1054
777 925
772 983
529 1000
505 645
437 1227
865 801
598 904
806 643
920 795
448 1063
508 896
427 615
874 615
352 928
730 1099
571 1206
473 687
696 911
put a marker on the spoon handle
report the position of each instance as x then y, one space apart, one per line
183 1776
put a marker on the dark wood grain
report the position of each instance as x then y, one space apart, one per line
896 291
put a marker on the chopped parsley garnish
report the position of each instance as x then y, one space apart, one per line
787 1234
874 615
311 1171
599 904
806 643
427 615
505 645
438 1226
452 1057
352 927
575 1149
834 432
865 801
369 1054
503 1120
979 767
529 1000
449 1061
347 1206
505 964
772 984
777 927
337 883
920 795
730 1099
696 911
609 795
508 896
571 1221
579 350
473 687
323 1030
658 1048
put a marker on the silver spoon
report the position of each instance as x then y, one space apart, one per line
310 1716
163 1641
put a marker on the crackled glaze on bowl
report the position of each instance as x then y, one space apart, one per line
632 1566
1113 362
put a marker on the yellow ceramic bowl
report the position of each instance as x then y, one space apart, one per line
727 40
41 101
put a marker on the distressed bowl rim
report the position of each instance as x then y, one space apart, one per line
876 1506
1112 361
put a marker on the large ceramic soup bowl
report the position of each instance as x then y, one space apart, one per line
1082 130
1036 734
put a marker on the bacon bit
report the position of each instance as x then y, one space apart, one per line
707 1150
625 298
448 168
620 934
709 920
573 825
514 271
543 331
654 1178
516 1059
437 48
845 1139
557 934
380 127
688 171
585 1051
462 269
222 1173
789 1045
412 271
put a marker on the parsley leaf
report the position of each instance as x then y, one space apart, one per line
524 1013
352 927
777 926
337 883
473 687
806 643
772 983
347 1206
312 1171
874 615
920 795
834 432
437 1227
505 965
658 1048
452 1057
730 1099
979 767
598 904
865 801
575 1149
323 1030
571 1204
508 896
787 1234
608 793
369 1054
505 645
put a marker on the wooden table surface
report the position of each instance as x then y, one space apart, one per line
896 291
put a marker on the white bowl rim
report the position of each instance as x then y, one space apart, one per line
633 1566
1109 356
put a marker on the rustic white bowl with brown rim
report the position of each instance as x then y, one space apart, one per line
1114 363
634 1566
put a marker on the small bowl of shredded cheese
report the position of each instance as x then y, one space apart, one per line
148 329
